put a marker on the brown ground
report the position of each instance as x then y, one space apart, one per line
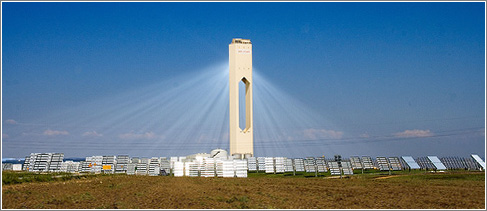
123 191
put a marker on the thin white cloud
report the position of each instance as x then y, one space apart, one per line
26 134
225 136
92 134
314 134
10 122
364 135
4 135
482 132
50 132
414 133
133 136
204 138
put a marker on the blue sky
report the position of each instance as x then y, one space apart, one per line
364 78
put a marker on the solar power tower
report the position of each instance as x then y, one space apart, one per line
241 137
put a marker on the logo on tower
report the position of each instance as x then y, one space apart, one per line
244 51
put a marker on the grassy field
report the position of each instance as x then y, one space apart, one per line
373 190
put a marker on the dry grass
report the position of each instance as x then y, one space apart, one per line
446 190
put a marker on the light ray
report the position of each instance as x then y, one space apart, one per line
178 116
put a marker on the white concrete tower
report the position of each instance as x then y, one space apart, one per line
241 139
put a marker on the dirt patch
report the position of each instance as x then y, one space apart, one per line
332 177
132 192
387 177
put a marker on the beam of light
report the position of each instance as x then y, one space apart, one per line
188 114
186 110
179 116
281 122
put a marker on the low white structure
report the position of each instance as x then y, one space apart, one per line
70 166
269 165
279 164
240 167
208 167
178 169
218 153
228 168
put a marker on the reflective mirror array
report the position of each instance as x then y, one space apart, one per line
437 163
203 165
479 160
410 162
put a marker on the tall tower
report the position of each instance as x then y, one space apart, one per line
241 136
